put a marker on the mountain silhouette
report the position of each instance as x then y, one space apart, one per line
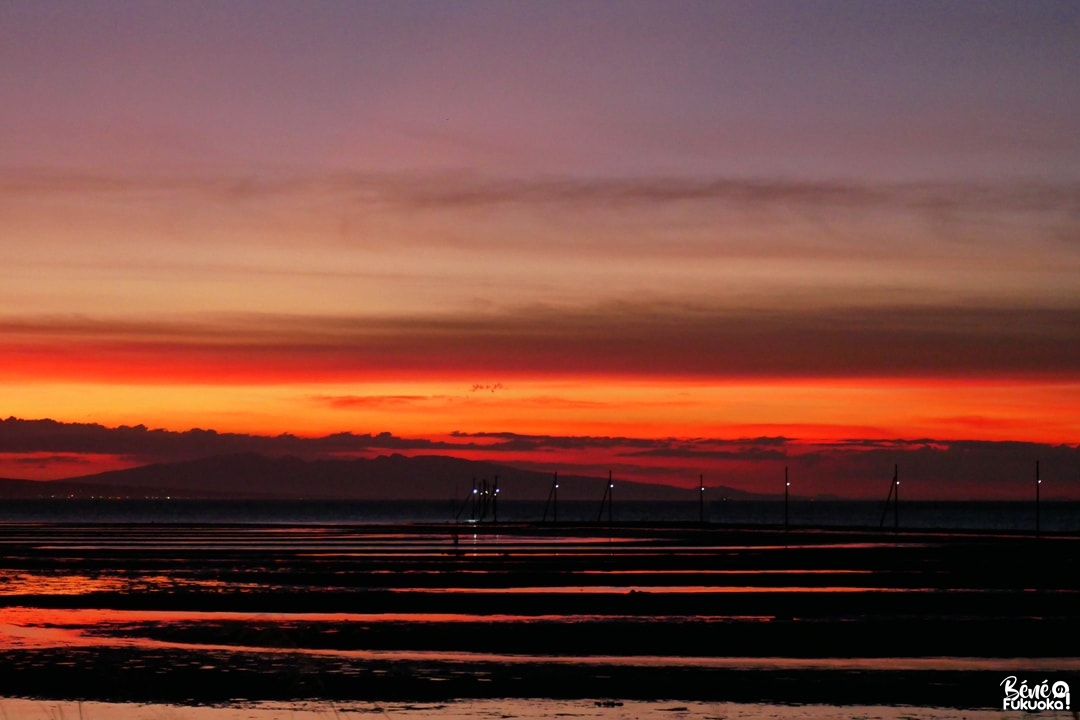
393 477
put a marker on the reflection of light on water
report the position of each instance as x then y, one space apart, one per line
665 589
31 584
161 582
21 583
346 570
520 709
40 628
85 618
776 571
22 637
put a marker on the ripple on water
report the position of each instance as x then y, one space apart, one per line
519 709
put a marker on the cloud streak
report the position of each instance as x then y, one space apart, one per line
449 190
624 339
231 243
143 445
647 215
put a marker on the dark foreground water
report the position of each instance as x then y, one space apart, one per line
504 708
217 610
1000 516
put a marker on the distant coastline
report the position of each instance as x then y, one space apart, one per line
988 517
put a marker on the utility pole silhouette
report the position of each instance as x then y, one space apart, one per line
611 496
1038 487
894 497
553 500
608 493
701 499
787 485
470 501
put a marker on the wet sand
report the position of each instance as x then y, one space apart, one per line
213 614
519 709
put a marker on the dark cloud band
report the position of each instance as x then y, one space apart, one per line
619 339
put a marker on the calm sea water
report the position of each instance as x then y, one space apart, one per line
526 709
521 709
996 516
115 600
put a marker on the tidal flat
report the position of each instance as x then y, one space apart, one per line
530 618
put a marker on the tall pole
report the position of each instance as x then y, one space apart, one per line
885 510
611 495
787 485
555 489
606 500
495 501
896 498
1038 487
701 499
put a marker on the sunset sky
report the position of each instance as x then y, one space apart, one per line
668 238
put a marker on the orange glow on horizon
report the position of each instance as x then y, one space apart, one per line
810 410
